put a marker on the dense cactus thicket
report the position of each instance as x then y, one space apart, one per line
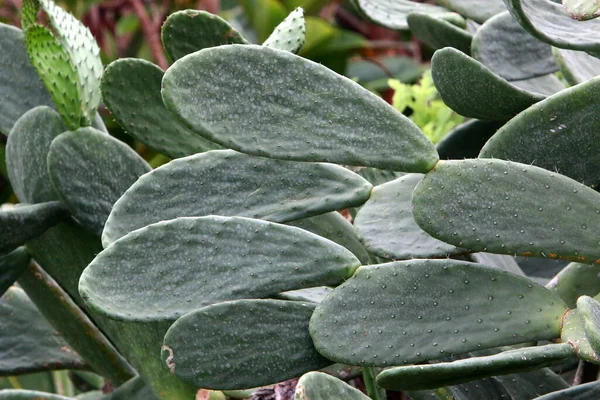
230 268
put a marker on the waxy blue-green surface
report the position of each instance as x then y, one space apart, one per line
477 10
589 313
224 182
505 207
172 267
319 386
392 13
576 280
412 311
242 344
272 103
438 33
576 66
290 34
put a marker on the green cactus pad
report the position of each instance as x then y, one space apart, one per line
438 33
509 51
335 227
19 83
242 344
386 226
580 392
504 207
90 170
557 134
582 10
84 54
290 34
412 311
429 376
477 10
25 222
472 90
392 13
547 21
224 182
503 262
529 385
30 139
576 280
188 31
131 91
229 257
320 386
589 313
467 139
56 70
313 295
573 333
11 267
546 85
288 107
21 394
29 343
576 66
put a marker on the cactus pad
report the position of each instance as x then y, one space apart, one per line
29 343
215 259
589 313
509 208
224 182
25 222
19 83
573 333
58 73
90 170
477 10
508 50
242 344
386 225
188 31
288 107
418 377
547 21
131 91
467 139
413 311
290 34
438 33
557 134
320 386
580 392
472 90
576 66
576 280
582 10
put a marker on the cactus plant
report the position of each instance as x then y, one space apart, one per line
229 267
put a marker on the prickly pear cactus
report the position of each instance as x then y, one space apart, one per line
230 267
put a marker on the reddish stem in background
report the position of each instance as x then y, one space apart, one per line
151 32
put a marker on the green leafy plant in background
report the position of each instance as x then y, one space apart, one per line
427 109
230 268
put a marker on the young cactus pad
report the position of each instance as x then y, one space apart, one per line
194 262
418 377
242 344
413 311
557 134
133 84
573 332
576 280
472 90
386 226
589 312
288 107
290 34
90 170
224 182
509 208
